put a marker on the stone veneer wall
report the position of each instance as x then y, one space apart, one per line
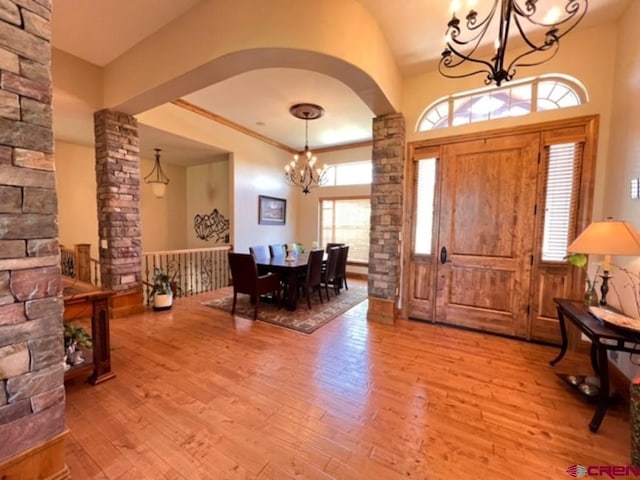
118 191
31 351
386 211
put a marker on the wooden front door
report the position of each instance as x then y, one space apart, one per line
486 228
486 231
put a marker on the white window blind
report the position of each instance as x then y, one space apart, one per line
425 196
563 161
347 221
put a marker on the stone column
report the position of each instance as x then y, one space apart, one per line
31 343
386 217
118 195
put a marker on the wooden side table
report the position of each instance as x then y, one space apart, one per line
603 338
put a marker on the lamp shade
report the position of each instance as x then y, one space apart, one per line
158 189
607 238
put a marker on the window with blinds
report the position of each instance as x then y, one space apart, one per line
346 220
425 196
562 182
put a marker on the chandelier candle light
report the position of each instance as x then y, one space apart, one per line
157 178
302 170
527 18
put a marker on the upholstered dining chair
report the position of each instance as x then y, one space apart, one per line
259 251
278 250
341 267
331 245
245 279
329 273
313 278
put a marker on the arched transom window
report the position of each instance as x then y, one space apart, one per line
537 94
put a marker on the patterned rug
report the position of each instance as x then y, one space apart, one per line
302 319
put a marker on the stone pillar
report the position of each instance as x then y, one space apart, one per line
118 195
386 217
31 344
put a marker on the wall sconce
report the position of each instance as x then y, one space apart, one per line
157 178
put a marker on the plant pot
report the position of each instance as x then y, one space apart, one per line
162 301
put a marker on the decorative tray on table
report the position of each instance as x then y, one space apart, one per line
616 319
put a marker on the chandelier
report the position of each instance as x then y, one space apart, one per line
157 178
526 18
302 170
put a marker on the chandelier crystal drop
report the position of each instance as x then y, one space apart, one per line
157 178
302 170
539 37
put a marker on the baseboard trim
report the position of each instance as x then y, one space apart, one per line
382 310
45 461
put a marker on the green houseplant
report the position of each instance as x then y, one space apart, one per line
75 338
161 291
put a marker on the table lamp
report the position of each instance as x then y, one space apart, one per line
607 238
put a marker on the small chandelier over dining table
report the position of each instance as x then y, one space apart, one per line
527 17
302 170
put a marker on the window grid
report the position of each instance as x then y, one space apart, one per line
532 95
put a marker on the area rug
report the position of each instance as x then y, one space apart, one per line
302 319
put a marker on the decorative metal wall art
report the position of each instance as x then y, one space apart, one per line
212 225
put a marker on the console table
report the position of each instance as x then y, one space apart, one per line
82 300
603 338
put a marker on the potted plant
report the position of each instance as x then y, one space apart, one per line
580 260
161 292
75 338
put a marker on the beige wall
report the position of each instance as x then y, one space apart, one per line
164 221
164 224
623 159
255 169
76 186
207 189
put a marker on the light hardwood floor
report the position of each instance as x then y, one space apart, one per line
202 395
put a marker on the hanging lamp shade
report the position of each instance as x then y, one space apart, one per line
157 178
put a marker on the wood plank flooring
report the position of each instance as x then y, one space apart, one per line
202 395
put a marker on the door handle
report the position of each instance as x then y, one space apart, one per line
443 255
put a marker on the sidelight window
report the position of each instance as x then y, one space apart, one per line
562 181
425 197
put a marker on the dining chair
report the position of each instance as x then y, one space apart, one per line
331 245
341 267
313 278
278 250
292 248
329 273
245 279
259 251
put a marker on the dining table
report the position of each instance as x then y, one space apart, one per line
291 269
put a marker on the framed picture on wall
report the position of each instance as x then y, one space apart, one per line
271 210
